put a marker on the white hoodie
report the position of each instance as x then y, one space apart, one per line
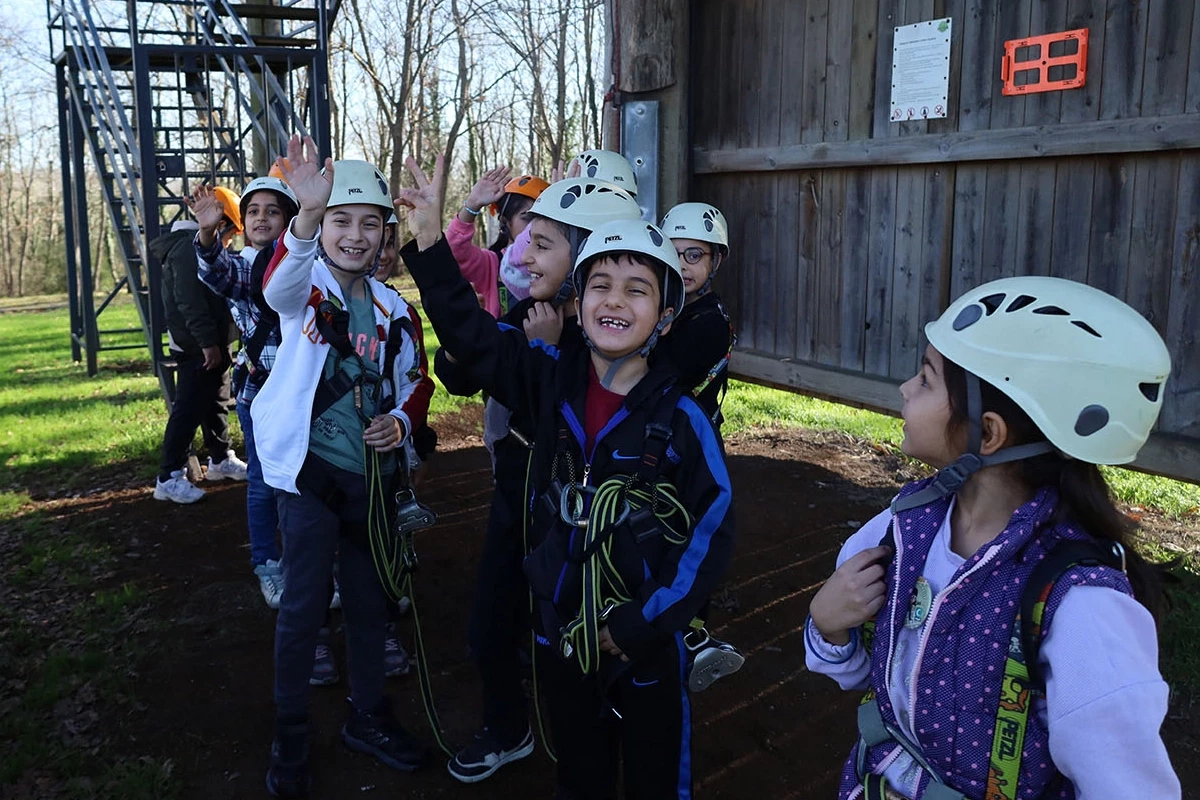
295 284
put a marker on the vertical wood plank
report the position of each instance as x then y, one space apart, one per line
838 57
787 261
1165 76
906 271
1035 218
830 268
937 235
1192 103
1083 104
1111 212
864 45
1046 16
966 252
855 267
979 69
1012 22
791 97
877 351
1181 406
816 35
701 39
1124 60
772 60
731 64
750 75
886 23
1072 212
1155 208
805 236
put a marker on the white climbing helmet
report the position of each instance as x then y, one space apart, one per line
633 236
605 165
585 203
1088 370
269 184
698 221
358 182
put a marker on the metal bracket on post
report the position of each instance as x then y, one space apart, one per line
639 144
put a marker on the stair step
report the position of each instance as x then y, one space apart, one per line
253 10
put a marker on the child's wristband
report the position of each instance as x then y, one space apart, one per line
474 212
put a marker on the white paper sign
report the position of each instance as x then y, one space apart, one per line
921 70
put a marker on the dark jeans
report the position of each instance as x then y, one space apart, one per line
320 525
201 401
500 624
652 736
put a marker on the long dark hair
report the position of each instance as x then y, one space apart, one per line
1084 496
510 206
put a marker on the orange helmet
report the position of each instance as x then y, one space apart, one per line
525 185
276 172
231 203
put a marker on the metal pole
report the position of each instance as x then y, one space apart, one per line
69 219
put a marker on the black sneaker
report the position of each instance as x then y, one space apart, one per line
484 755
288 774
378 733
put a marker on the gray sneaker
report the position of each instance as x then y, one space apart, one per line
395 659
177 489
270 581
483 756
325 670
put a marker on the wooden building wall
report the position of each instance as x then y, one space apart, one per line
850 232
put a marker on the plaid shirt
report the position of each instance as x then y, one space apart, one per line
229 276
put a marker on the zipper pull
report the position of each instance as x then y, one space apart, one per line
587 471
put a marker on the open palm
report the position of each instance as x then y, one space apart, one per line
422 207
309 178
206 208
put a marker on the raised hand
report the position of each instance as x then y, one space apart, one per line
852 595
556 174
544 322
302 171
576 169
421 206
208 211
489 188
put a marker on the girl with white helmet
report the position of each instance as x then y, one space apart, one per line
267 205
500 278
611 651
348 389
702 340
997 613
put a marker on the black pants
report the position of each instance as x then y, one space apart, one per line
651 737
500 623
202 400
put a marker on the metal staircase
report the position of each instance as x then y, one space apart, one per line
155 98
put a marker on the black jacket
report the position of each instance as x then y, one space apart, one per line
196 316
670 583
698 345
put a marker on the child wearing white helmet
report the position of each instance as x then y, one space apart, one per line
702 339
499 277
347 391
562 216
267 205
617 584
997 613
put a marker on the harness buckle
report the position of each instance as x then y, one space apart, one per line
411 514
658 431
572 508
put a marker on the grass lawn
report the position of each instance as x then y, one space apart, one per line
61 431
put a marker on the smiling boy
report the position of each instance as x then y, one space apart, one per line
612 433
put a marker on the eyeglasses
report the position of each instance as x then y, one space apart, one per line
692 255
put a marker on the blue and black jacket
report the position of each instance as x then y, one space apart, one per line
670 583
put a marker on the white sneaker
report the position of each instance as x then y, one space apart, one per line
271 581
232 468
177 489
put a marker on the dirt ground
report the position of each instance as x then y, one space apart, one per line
772 730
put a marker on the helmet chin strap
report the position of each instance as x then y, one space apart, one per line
707 287
953 476
369 272
575 238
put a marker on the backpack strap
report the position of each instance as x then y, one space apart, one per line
1023 678
268 320
333 323
658 437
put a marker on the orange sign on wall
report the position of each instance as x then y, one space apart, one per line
1046 63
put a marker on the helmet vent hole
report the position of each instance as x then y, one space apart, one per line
1090 420
1021 302
1084 326
968 317
992 302
1053 311
1150 391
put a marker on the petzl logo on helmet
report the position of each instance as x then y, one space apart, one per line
616 238
354 190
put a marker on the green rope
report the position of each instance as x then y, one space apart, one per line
603 587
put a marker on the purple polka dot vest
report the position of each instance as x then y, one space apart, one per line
960 664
